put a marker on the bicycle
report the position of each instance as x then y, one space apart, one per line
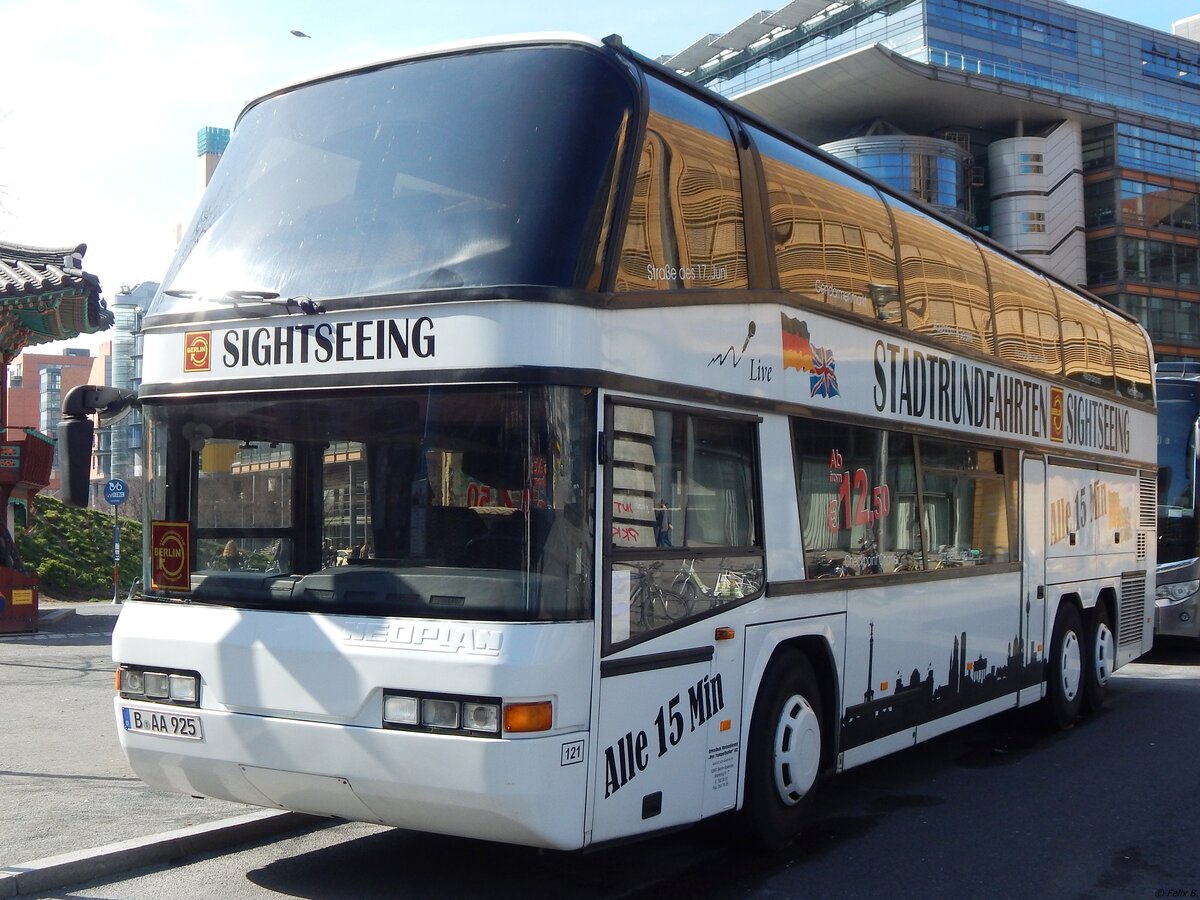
652 604
908 561
689 584
732 583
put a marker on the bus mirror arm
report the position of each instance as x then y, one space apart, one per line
109 404
83 408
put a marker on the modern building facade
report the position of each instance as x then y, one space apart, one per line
118 451
1069 136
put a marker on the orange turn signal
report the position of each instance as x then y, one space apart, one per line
526 717
724 633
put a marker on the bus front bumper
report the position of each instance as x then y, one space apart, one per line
1178 619
530 791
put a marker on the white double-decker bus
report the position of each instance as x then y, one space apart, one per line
544 450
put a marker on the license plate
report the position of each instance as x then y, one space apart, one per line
164 723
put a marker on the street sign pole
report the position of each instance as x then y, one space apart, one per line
116 556
116 492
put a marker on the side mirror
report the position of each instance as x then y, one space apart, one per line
76 431
75 460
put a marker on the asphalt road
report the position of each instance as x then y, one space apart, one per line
1002 809
64 782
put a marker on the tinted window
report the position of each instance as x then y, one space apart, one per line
858 500
1087 344
443 172
1027 329
964 505
685 226
1131 359
684 528
833 236
441 503
945 290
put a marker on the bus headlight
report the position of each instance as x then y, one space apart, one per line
158 685
1177 592
481 717
442 713
182 688
439 713
131 681
401 710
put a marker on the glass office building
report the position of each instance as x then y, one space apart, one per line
1070 136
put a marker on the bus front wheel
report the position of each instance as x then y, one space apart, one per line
1101 655
785 749
1066 686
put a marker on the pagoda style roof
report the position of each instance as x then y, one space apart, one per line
46 296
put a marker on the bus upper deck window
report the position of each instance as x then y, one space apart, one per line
685 227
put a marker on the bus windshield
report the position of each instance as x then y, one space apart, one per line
1178 406
434 173
437 502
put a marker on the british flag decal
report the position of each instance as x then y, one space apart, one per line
823 380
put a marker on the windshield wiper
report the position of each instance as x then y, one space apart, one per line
249 295
291 304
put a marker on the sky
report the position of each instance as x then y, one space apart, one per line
100 100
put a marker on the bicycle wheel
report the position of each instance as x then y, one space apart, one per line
641 607
686 588
672 604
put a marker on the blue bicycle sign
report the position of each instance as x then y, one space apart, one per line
116 492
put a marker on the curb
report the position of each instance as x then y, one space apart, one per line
89 865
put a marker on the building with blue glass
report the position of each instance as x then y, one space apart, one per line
1069 136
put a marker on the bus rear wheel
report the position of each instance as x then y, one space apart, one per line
785 751
1064 698
1101 657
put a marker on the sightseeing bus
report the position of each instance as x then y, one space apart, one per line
1177 607
543 449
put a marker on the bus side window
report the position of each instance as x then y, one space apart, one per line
1027 316
1087 343
685 518
858 500
1132 359
833 235
965 497
685 227
946 292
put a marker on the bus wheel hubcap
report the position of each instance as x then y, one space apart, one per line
1072 666
1105 647
797 750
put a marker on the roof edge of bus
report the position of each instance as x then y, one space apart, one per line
515 39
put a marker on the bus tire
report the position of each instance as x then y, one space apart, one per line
1101 656
1064 696
784 755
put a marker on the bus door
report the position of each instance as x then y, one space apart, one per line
651 741
682 556
1033 571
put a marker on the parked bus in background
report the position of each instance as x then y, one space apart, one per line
1177 611
694 464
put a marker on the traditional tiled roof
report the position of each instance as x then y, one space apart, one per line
46 296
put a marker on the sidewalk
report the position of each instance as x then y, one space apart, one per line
70 808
